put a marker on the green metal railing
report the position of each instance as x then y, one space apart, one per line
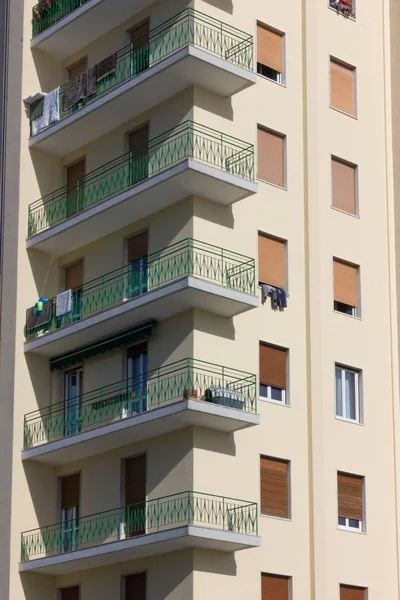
188 257
188 378
48 12
186 508
187 141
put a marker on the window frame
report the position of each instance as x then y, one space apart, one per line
362 525
283 136
286 390
288 462
348 163
348 527
282 35
269 398
353 68
355 310
357 394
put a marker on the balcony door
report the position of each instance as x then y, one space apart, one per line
74 282
140 39
75 187
139 155
73 385
135 587
69 505
69 593
137 259
135 496
137 380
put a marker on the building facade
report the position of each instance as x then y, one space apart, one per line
199 385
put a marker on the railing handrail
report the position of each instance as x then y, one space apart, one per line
241 504
160 371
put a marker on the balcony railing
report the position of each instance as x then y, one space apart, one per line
187 141
188 378
48 12
188 257
124 523
189 27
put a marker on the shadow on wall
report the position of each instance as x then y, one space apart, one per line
175 471
40 376
38 587
214 213
171 576
42 484
215 104
44 269
214 441
226 5
222 327
210 561
48 70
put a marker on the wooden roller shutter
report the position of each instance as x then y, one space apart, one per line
75 173
74 276
269 48
138 141
343 186
271 261
274 475
70 491
345 283
270 156
342 87
135 479
349 592
140 35
273 366
135 587
77 69
138 246
69 593
274 587
350 496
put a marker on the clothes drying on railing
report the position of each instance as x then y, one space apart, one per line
278 295
35 319
224 396
50 112
63 303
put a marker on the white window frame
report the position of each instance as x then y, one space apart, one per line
348 527
269 398
357 386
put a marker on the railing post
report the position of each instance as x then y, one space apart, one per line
77 195
222 268
189 258
223 513
189 508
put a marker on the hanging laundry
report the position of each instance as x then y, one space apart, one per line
50 113
278 295
91 81
63 303
106 66
74 90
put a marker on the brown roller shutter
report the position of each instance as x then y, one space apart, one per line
135 587
274 587
138 141
69 593
140 35
345 283
343 186
271 261
274 487
75 173
138 246
273 366
77 68
269 48
270 149
349 592
350 496
74 276
342 84
70 491
135 488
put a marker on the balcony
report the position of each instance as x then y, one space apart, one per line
189 160
188 49
189 274
186 393
184 520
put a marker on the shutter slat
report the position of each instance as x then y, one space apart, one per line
74 276
135 586
273 366
271 261
349 592
138 246
350 496
70 491
343 186
345 283
270 156
269 48
274 487
274 587
342 84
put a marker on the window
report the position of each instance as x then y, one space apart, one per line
274 480
274 587
75 187
344 194
77 68
347 394
140 36
273 373
350 501
271 260
68 593
345 286
271 156
351 592
69 508
135 587
270 53
343 95
138 142
344 7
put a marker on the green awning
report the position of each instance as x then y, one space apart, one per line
117 340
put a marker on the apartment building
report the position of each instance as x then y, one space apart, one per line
198 329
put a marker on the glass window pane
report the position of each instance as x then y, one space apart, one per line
342 521
263 390
339 402
354 523
350 390
276 394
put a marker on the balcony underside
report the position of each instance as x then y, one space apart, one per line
159 421
85 24
187 178
161 303
152 544
186 67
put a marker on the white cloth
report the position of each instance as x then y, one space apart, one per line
51 112
63 303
